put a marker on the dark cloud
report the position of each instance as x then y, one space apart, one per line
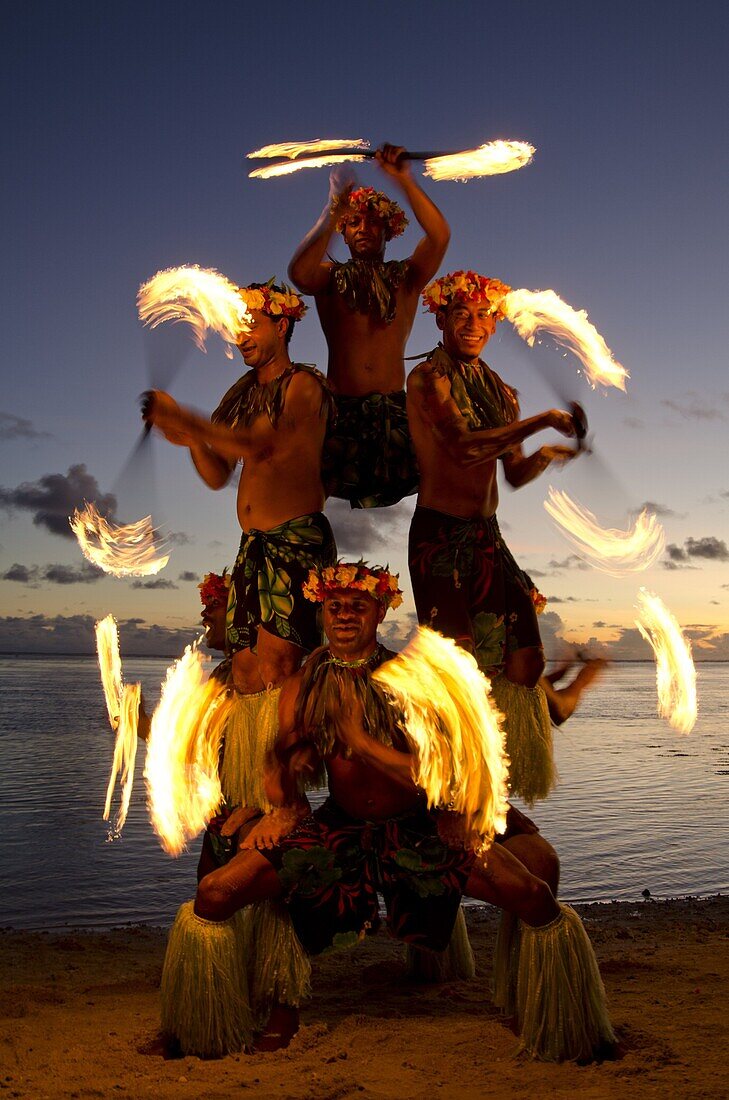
154 582
74 634
17 427
187 575
693 408
724 493
676 553
634 423
660 510
22 574
394 633
32 575
599 624
708 547
565 599
86 573
572 561
364 532
52 498
178 538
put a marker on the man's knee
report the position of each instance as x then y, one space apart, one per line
538 856
212 900
525 666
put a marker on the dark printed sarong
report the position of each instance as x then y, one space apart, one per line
368 455
267 579
468 586
332 866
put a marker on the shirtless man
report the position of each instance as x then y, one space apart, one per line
367 307
374 832
465 581
274 421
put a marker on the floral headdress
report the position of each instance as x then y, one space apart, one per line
365 200
466 286
379 583
274 300
214 590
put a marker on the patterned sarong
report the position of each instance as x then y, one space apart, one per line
267 579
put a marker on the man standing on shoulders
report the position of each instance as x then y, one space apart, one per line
367 307
466 583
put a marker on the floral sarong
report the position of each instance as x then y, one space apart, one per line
332 866
468 586
368 455
267 579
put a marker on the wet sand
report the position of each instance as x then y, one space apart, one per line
78 1009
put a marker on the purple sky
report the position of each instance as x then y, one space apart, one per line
125 136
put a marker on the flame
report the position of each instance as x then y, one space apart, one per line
675 672
612 551
107 649
122 704
286 167
453 727
533 310
183 748
121 549
125 755
492 159
198 296
293 149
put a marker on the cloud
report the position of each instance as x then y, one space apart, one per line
708 547
633 422
566 599
187 575
17 427
52 498
32 575
178 538
74 634
660 510
394 633
155 582
572 561
86 573
22 574
676 553
361 532
692 407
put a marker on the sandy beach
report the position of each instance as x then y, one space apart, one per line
78 1010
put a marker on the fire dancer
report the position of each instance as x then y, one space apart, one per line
374 832
465 581
366 307
274 420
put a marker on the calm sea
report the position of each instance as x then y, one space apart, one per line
638 807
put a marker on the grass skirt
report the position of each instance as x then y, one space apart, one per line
454 964
529 743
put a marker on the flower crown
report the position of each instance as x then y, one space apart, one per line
214 589
466 286
274 300
377 582
365 200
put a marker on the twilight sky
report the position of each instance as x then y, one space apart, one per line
125 133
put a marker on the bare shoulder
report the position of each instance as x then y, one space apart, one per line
307 388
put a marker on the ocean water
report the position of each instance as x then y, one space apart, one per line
638 806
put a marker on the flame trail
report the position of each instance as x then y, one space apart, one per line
181 767
285 168
125 755
122 704
492 159
612 551
107 649
531 311
199 297
454 729
675 672
293 149
121 549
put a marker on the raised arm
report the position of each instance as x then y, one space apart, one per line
176 424
430 250
429 393
520 469
385 758
308 270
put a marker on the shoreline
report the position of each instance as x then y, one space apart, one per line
78 1007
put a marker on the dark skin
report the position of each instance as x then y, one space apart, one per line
368 779
457 465
281 469
365 354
